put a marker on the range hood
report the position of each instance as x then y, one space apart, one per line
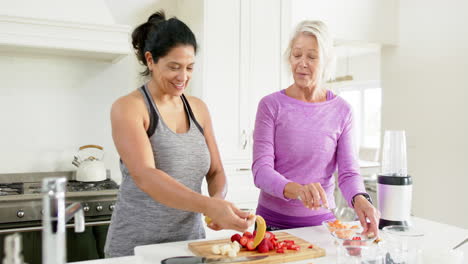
82 28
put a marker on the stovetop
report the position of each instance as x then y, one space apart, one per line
11 189
20 188
21 198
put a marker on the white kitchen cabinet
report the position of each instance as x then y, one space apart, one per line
238 63
83 29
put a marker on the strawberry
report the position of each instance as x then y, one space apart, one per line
269 244
263 247
311 246
250 245
280 250
274 243
269 235
295 247
248 234
281 244
243 241
236 237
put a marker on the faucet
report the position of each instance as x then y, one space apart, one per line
55 216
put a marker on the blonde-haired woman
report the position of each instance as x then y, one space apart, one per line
302 135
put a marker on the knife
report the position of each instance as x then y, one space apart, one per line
198 260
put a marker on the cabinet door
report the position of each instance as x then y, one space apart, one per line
240 62
260 57
221 49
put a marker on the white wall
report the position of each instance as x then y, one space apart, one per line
425 92
363 67
363 20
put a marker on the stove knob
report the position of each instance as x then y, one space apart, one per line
99 208
111 207
86 208
20 214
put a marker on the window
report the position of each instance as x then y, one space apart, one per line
366 100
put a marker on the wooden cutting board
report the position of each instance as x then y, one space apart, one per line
203 249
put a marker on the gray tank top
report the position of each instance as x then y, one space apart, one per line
137 218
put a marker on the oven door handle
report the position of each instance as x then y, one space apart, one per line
37 228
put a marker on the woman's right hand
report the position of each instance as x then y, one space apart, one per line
224 215
312 195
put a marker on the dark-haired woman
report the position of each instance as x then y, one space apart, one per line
166 144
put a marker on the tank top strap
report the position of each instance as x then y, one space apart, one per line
190 112
152 109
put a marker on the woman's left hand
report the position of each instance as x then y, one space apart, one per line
366 211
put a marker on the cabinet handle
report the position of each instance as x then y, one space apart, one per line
243 169
244 139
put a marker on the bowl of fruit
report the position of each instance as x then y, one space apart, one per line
335 225
352 242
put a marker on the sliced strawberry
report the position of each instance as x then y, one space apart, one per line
248 234
269 244
295 247
274 243
280 250
269 235
311 246
235 237
281 244
243 241
250 245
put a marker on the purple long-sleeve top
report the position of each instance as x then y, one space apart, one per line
296 141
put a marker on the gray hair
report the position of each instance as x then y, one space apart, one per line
326 52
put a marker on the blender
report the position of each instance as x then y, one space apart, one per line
394 185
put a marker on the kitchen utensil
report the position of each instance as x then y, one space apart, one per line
461 243
90 165
197 260
203 249
394 185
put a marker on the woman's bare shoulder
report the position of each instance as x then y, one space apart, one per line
199 108
131 103
197 103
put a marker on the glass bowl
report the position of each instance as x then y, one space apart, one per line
351 242
334 225
403 243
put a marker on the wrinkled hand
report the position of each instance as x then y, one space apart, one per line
312 195
368 215
224 215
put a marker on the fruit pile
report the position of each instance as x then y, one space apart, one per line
337 224
267 244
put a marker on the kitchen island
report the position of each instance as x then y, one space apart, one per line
437 235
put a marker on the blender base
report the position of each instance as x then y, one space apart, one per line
383 223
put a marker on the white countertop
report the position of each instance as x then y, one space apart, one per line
437 235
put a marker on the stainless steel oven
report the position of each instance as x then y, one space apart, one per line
21 211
